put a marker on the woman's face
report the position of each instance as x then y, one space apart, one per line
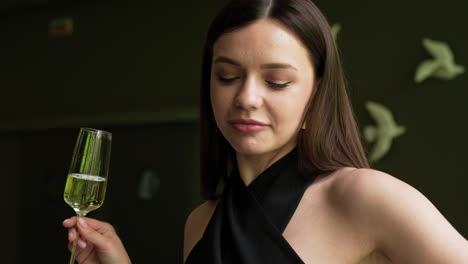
261 81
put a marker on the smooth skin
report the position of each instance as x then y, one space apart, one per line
349 216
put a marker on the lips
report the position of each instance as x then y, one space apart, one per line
247 125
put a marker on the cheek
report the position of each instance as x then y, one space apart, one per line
290 114
219 101
305 96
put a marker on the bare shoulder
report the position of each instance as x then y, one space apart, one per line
377 194
403 223
350 185
196 223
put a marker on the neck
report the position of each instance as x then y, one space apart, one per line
250 166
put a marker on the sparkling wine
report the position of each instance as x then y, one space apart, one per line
85 193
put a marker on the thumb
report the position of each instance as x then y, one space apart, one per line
97 235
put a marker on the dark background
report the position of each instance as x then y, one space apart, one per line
132 67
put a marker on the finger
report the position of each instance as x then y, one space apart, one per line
69 222
81 243
101 227
80 246
94 236
72 234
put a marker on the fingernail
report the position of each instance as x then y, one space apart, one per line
81 243
82 222
64 221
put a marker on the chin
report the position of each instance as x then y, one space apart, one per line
250 148
253 147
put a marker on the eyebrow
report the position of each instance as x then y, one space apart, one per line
276 65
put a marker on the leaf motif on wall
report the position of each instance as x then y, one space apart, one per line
335 29
383 133
441 66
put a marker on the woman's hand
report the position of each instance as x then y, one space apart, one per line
97 243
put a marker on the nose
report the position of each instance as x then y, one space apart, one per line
249 95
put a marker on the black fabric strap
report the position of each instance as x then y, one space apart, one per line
249 221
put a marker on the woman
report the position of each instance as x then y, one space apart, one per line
283 170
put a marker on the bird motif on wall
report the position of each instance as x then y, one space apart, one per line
383 133
442 65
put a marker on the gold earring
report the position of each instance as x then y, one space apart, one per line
303 125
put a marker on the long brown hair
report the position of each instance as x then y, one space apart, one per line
330 139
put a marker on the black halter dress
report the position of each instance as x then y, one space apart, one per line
248 223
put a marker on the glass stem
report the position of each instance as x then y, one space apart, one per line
73 253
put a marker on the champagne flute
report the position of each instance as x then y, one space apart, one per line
85 188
